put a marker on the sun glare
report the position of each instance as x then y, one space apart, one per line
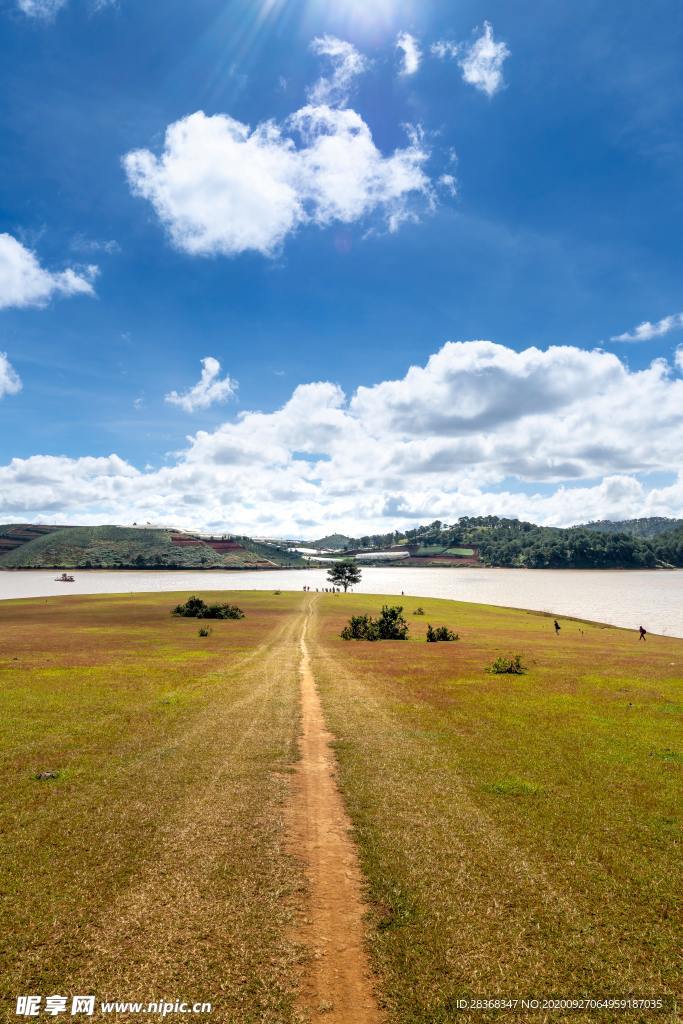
366 17
372 20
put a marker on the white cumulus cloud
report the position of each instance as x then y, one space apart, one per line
223 188
647 331
24 282
347 64
678 358
411 55
209 389
10 382
481 63
558 435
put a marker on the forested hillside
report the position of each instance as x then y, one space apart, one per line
651 527
669 546
511 542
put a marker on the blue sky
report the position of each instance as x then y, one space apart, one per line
538 206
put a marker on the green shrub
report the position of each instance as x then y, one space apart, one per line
225 611
360 627
204 631
419 611
511 666
195 608
389 626
440 633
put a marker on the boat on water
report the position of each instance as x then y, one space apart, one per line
65 578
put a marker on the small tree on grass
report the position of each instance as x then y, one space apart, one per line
195 608
344 574
389 626
511 666
440 633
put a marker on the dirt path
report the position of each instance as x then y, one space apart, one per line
338 981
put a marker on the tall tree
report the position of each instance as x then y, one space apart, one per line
344 574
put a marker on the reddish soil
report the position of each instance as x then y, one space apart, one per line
15 536
338 981
452 560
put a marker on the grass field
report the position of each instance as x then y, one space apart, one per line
519 835
153 866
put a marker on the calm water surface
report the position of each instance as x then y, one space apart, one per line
628 599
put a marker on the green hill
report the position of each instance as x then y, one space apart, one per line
117 547
13 535
335 542
277 553
107 547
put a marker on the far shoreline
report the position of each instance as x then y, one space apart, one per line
319 567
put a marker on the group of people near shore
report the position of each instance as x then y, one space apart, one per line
325 590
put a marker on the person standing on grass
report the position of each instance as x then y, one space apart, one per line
641 632
558 627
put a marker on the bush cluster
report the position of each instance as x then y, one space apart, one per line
511 666
389 626
195 608
440 633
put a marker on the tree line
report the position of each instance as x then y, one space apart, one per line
512 542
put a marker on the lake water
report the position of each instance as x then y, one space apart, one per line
628 599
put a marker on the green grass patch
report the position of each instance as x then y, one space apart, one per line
513 787
154 862
671 756
530 824
425 550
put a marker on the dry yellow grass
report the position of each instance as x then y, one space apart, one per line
154 866
520 834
